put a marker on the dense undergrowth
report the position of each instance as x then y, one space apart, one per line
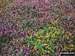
36 27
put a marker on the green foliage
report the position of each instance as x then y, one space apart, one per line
45 43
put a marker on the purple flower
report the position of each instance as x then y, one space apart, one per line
25 50
25 55
1 33
0 20
16 46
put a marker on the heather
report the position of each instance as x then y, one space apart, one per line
36 27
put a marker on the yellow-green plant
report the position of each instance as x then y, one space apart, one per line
44 40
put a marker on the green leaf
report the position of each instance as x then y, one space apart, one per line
53 13
62 25
39 44
51 50
24 21
18 15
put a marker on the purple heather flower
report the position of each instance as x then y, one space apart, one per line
28 49
1 33
0 20
25 50
34 24
13 43
6 32
16 46
25 55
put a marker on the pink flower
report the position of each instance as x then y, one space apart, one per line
0 20
56 21
62 0
35 2
71 49
48 17
24 16
7 0
13 43
63 38
56 54
55 39
47 1
22 38
18 0
58 43
70 7
16 46
73 15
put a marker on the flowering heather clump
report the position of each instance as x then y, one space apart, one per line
36 27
